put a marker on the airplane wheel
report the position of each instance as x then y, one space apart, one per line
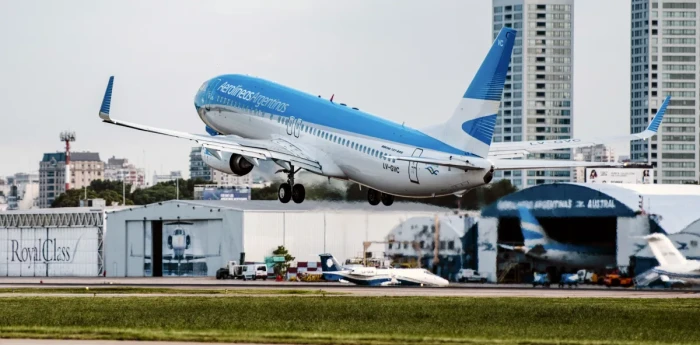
285 193
298 193
387 199
373 197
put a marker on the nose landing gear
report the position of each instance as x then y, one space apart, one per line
289 190
374 197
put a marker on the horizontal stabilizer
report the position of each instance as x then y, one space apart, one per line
510 149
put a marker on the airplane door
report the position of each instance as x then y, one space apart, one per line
413 167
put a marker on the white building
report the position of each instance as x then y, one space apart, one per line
84 168
66 242
665 61
597 153
538 96
174 175
119 169
219 231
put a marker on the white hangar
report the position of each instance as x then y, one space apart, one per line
195 238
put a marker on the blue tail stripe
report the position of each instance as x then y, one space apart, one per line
481 128
531 235
527 217
656 121
489 79
107 100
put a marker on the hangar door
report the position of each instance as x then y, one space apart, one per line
185 248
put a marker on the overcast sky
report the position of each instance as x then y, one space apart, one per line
403 60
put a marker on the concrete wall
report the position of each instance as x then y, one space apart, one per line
308 234
630 233
488 244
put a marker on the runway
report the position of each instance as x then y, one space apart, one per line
208 283
100 342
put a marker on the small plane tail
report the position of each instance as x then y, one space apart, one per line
329 263
533 233
664 250
472 124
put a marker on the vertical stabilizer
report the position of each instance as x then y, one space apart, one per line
329 263
533 233
472 124
664 250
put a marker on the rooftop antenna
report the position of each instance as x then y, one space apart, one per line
67 137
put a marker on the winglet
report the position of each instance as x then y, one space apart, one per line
656 121
107 101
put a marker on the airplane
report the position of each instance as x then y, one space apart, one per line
249 119
372 276
673 269
179 241
539 246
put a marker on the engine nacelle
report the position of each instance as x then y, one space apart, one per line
229 163
239 165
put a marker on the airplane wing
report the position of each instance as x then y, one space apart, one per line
252 150
515 149
168 257
519 164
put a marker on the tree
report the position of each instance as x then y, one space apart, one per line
265 193
281 267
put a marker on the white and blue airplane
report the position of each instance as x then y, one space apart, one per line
372 276
251 119
674 269
538 245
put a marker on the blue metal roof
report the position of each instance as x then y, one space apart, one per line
560 200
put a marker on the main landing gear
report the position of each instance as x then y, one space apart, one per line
374 197
289 190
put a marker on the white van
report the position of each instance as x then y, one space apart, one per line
255 271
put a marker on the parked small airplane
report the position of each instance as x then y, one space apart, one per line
539 245
674 268
372 276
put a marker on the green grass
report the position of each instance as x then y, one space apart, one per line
133 290
356 320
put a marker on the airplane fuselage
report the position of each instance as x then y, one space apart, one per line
576 259
689 273
389 276
349 144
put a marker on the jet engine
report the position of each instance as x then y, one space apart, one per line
170 242
187 242
229 163
489 176
239 165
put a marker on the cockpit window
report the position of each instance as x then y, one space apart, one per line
179 232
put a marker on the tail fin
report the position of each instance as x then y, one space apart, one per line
472 124
531 228
664 250
329 264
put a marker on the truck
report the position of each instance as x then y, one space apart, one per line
570 279
541 279
245 272
470 275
